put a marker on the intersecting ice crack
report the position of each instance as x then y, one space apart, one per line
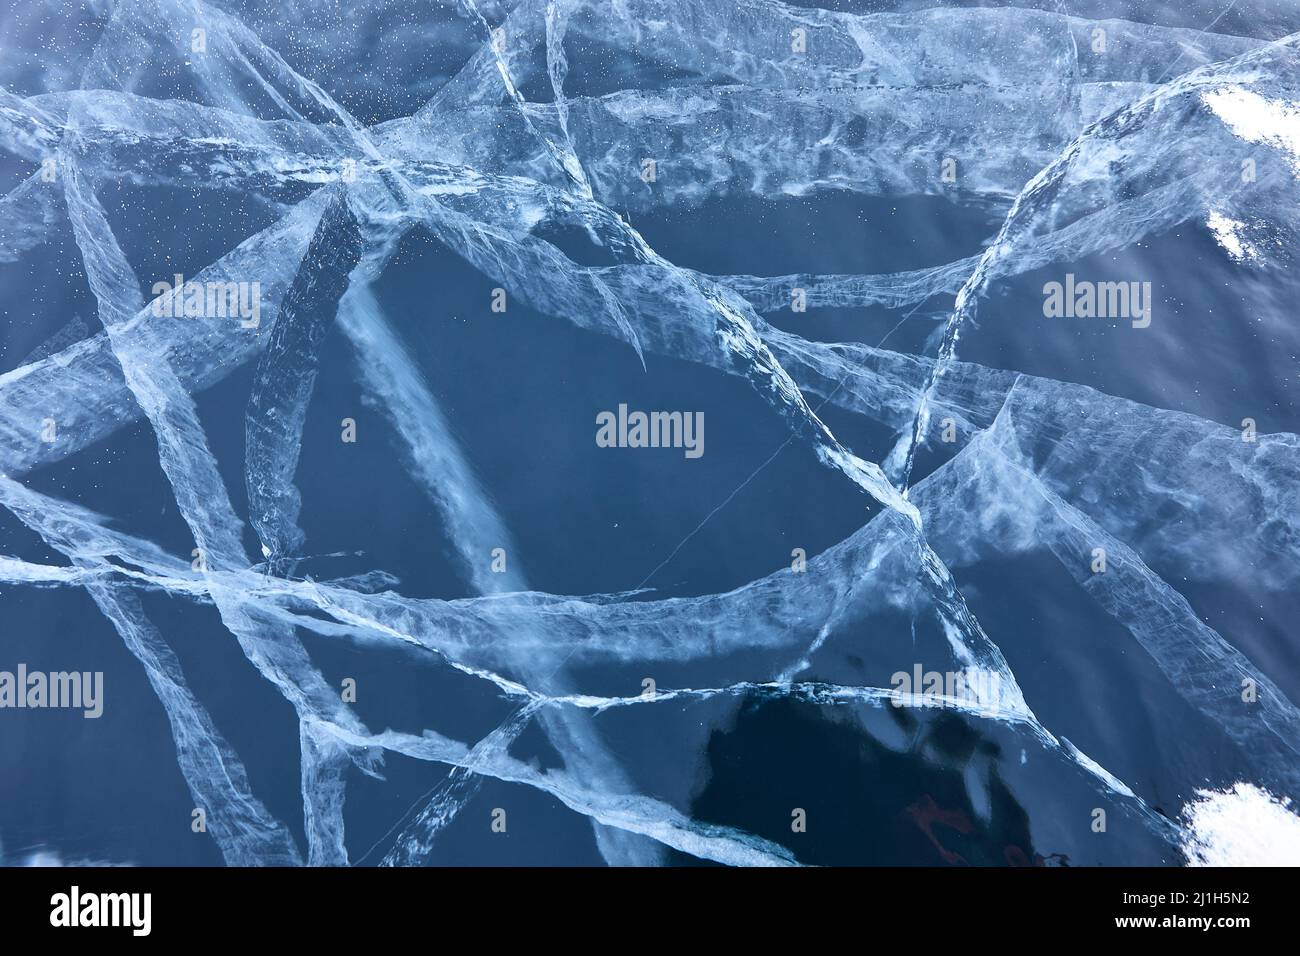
1078 156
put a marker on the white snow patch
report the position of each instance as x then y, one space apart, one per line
1228 233
1242 826
1258 119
